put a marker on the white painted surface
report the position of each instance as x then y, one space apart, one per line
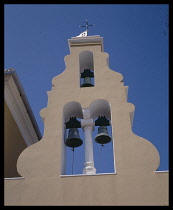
161 171
14 178
88 125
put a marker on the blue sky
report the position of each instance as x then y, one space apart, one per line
135 37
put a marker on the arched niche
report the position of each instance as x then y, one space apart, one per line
70 109
100 107
86 69
86 61
104 157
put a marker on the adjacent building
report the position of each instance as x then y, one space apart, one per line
20 127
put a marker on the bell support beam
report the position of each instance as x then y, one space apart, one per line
88 126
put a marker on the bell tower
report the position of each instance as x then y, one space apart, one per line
86 97
88 103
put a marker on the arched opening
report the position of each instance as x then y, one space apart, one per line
104 159
72 159
100 107
86 65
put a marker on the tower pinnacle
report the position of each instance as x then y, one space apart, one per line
86 26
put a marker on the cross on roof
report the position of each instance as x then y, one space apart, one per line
86 26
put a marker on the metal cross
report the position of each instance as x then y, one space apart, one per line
86 26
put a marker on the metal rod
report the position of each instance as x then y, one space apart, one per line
86 26
72 160
100 158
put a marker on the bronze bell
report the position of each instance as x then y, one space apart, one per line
102 136
73 139
87 82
